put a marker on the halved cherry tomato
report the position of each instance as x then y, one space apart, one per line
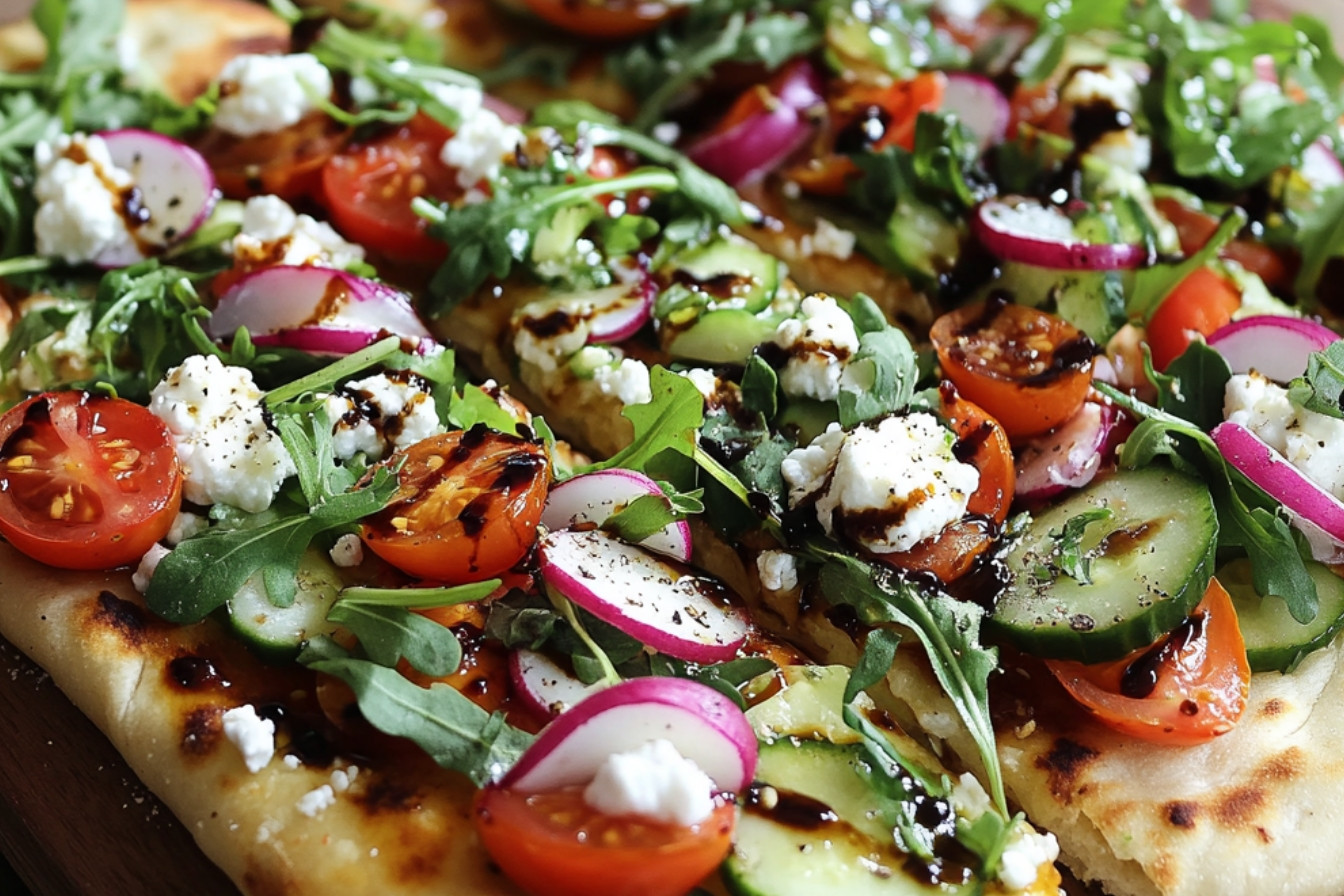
287 162
603 19
368 190
1194 227
1200 304
866 116
1028 369
86 481
467 507
554 844
981 442
1188 688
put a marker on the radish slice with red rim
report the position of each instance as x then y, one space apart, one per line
1286 484
321 310
176 190
676 612
620 311
542 684
1067 458
979 104
1017 228
593 497
704 725
1270 344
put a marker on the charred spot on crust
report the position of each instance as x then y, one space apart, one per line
1065 762
1239 807
122 616
1181 813
201 731
1284 767
385 796
1273 707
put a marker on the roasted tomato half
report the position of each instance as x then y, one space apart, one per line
467 507
287 162
86 481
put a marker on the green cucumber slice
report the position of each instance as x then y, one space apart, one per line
276 633
733 272
825 833
1275 641
1149 563
723 336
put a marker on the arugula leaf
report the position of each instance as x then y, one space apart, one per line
640 518
880 378
455 732
388 634
1154 283
667 423
420 598
1320 238
1321 388
1193 385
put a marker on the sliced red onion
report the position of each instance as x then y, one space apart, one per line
620 311
315 309
753 147
1286 484
1016 228
176 185
1068 457
674 611
980 105
593 497
542 684
704 725
1275 346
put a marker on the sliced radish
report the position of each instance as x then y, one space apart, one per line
593 497
542 684
1320 166
704 725
1015 228
1067 458
1275 346
315 309
1286 484
671 610
620 311
176 188
980 105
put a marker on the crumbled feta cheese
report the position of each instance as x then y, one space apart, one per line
819 343
1024 854
705 381
260 94
185 525
891 484
251 734
348 551
273 233
380 414
1125 149
342 778
228 453
480 144
80 215
969 798
628 380
314 802
1300 435
827 239
148 563
654 781
778 570
291 761
1107 84
62 357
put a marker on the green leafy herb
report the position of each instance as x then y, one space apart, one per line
1068 555
1193 385
640 518
880 378
668 423
1321 389
389 634
1154 283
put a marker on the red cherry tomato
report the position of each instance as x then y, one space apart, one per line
1028 369
554 844
467 508
1188 688
368 190
605 19
287 162
86 481
1200 304
1194 228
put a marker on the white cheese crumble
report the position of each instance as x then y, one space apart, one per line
628 380
185 525
79 216
1300 435
273 233
827 239
381 414
550 331
144 571
228 453
251 734
705 381
887 485
778 570
316 801
482 140
342 778
1026 851
819 343
348 551
1124 148
653 781
260 94
63 356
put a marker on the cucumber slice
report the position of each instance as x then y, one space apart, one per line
1149 564
1275 641
734 273
723 336
277 633
823 835
1093 301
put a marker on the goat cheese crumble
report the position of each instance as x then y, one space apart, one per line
273 233
627 379
381 414
482 141
316 801
819 343
653 781
251 734
261 94
1300 435
778 570
80 206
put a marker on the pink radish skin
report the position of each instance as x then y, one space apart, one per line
704 725
543 686
1272 345
997 225
1067 458
671 610
623 313
979 105
593 497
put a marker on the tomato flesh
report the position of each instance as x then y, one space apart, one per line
86 481
467 507
1199 305
1188 688
287 162
1029 370
555 844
